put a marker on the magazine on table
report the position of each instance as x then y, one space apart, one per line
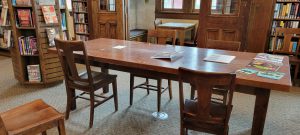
264 65
269 57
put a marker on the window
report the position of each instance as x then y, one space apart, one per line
224 7
197 4
173 4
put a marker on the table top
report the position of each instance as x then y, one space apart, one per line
138 55
176 25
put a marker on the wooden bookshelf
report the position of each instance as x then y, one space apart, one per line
82 19
286 15
4 47
50 68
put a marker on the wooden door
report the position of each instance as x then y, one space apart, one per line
223 20
107 19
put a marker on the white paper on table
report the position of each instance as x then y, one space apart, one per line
119 47
219 58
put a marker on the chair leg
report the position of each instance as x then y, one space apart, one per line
158 94
225 98
296 71
147 82
131 88
44 133
170 88
61 127
186 131
115 92
92 107
69 102
193 92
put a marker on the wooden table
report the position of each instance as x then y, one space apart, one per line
135 57
181 28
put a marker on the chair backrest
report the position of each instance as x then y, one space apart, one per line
223 45
65 51
3 130
157 22
161 36
204 82
285 46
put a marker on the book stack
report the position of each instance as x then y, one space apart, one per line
79 6
81 28
24 18
34 73
80 18
28 45
279 45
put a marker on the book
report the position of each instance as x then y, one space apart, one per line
63 21
34 74
23 2
24 18
46 2
263 65
271 75
247 71
172 55
7 40
62 4
49 14
51 34
3 20
269 57
219 58
4 4
28 45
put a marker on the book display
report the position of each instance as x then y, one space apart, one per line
5 30
35 24
286 15
82 19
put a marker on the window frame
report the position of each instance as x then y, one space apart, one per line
171 9
187 12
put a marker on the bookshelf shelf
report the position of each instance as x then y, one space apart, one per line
26 28
287 19
31 61
22 6
5 30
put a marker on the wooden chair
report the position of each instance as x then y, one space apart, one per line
285 48
88 82
222 45
161 37
32 118
203 114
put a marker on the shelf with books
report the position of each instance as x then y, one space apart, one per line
82 19
286 15
37 23
5 30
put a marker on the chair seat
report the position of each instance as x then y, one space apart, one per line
29 116
98 77
218 110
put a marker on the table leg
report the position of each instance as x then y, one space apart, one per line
260 110
181 36
105 70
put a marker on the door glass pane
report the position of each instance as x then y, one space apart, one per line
173 4
112 5
216 6
197 4
231 7
107 5
103 4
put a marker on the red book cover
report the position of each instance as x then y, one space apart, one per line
24 16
